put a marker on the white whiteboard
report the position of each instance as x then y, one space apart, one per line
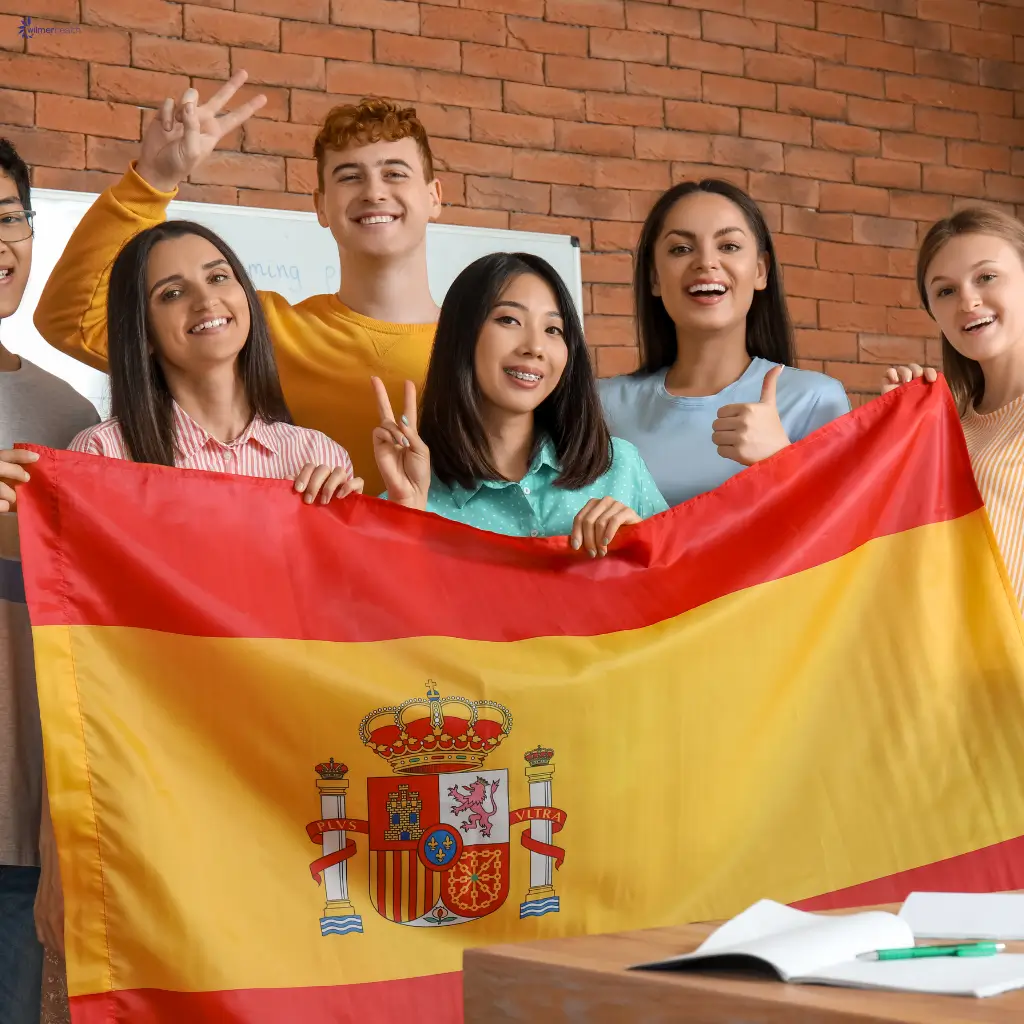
285 251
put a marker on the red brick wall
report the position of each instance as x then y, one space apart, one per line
854 122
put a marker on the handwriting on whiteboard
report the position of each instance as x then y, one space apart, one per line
278 276
274 274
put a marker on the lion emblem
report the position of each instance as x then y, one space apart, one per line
472 800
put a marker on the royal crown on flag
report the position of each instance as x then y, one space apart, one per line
332 769
539 756
434 734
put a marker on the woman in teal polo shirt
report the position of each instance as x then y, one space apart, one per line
511 437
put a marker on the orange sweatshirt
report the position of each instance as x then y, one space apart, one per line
326 352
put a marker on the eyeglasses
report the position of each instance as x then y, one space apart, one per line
16 225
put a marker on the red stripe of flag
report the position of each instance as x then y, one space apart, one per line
414 909
397 908
428 891
434 999
996 868
261 570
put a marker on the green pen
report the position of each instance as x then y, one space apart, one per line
914 952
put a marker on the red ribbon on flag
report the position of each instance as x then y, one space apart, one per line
316 829
554 816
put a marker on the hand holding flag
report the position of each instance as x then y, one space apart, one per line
597 523
12 473
326 482
897 375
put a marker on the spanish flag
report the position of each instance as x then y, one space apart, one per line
301 758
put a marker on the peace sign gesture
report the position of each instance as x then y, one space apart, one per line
183 135
401 456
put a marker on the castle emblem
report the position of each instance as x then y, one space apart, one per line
439 827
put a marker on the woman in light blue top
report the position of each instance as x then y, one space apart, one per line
716 390
511 437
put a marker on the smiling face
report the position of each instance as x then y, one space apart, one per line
975 286
15 257
707 265
198 313
376 199
521 351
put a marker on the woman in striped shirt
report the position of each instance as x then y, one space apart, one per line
193 381
970 273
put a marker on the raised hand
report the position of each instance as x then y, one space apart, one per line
596 524
401 456
751 432
897 375
13 473
183 134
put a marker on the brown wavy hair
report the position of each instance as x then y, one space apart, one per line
372 119
964 375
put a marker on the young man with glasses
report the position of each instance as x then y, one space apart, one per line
39 408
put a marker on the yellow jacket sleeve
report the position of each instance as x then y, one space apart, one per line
72 311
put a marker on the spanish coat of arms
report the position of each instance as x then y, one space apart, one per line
439 828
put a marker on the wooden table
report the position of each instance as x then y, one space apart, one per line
585 981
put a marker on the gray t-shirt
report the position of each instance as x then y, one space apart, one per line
674 432
35 408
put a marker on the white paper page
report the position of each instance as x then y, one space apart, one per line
965 915
797 943
947 975
766 917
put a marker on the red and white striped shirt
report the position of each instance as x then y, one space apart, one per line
276 451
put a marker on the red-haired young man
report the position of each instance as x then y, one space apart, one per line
376 192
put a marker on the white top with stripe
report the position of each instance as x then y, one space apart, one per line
995 441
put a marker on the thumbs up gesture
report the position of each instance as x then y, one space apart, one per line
751 432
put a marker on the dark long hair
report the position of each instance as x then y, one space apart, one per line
963 374
450 421
769 330
140 398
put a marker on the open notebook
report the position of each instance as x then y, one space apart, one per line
823 950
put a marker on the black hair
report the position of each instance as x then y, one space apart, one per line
12 165
140 397
450 422
769 330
